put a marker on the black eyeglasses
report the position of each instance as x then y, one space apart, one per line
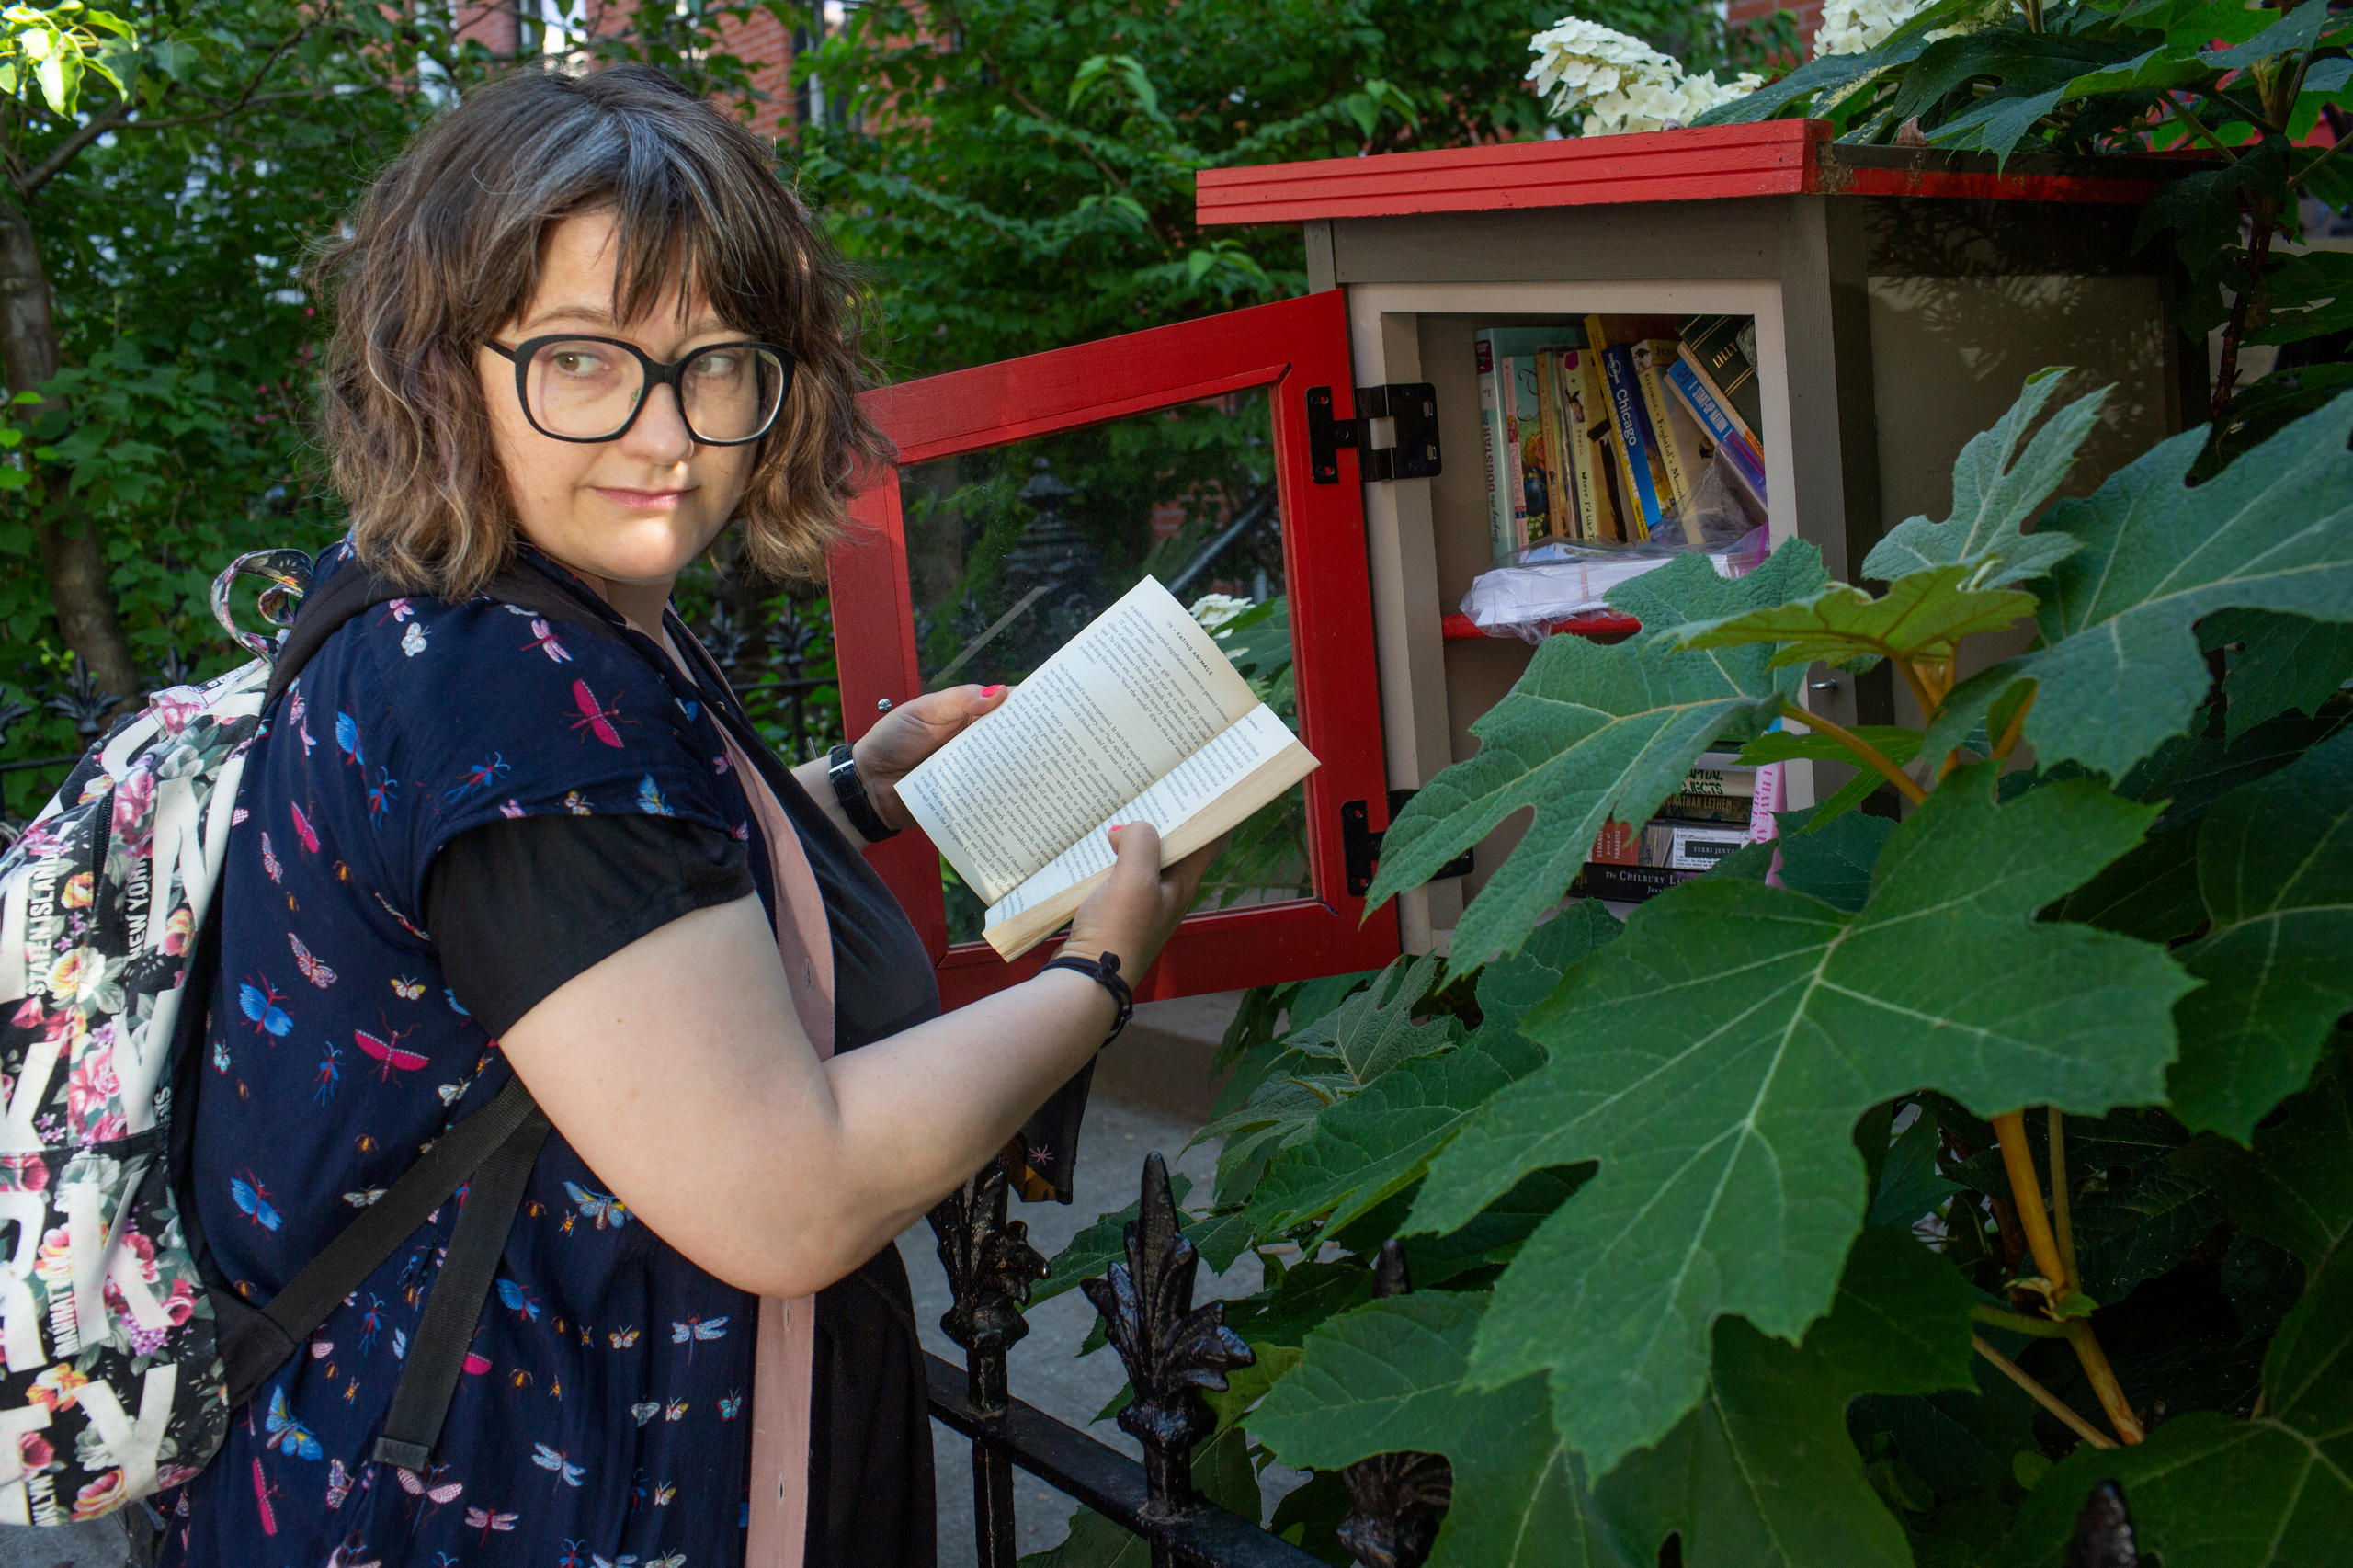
574 387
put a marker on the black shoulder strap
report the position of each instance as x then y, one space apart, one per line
490 1153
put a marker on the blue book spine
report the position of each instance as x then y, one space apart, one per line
1712 418
1634 436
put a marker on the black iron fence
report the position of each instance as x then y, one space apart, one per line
1172 1350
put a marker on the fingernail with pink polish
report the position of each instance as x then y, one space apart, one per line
988 692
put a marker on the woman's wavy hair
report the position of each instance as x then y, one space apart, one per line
444 250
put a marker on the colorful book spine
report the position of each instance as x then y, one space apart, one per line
1678 456
1534 513
1583 478
1601 436
1493 447
1561 513
1722 425
1647 507
1515 534
1725 347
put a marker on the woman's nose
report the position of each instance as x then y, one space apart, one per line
659 434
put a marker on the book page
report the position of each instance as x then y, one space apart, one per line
1217 787
1118 706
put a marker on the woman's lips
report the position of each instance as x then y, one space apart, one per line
646 500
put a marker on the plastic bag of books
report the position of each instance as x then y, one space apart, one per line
1717 512
1558 579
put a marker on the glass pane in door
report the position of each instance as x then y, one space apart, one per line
1012 550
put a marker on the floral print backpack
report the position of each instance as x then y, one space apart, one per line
122 1358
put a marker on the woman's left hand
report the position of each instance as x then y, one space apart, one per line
912 732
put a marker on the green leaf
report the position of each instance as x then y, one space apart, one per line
1910 1185
1833 862
2275 865
2308 295
2294 1187
2210 1492
2121 670
1590 732
2294 33
2139 1229
1097 1247
1375 1142
1922 616
1996 488
1390 1378
1763 1474
2291 664
1375 1030
1714 1060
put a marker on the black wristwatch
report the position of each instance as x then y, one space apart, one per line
841 766
1105 972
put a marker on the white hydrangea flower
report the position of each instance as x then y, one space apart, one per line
1213 610
1858 27
1619 83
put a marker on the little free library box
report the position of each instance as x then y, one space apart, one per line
1820 327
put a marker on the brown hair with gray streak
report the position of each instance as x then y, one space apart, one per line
444 250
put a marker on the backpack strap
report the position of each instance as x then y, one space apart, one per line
489 1155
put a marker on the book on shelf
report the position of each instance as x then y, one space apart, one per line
1139 718
1707 407
1668 842
1648 499
1491 448
1725 347
1625 885
1592 498
1611 507
1561 520
1683 448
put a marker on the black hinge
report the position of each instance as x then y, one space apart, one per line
1413 404
1361 846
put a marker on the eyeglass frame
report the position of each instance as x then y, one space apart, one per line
656 374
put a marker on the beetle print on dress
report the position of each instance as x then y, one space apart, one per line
337 1051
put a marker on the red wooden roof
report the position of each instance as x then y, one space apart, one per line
1774 157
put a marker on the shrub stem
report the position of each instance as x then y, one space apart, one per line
2026 1191
1870 754
2043 1396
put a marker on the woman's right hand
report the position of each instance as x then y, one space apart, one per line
1137 908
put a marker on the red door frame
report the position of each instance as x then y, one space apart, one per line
1285 347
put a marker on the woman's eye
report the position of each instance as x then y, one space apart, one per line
722 363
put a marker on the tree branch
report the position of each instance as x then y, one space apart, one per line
65 152
117 116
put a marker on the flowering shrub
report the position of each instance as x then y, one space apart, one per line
1617 83
1854 26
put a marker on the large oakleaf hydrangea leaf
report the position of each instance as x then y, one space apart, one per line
1995 489
2120 670
1714 1058
1592 732
1389 1377
1763 1475
2294 1189
1921 616
2207 1490
2274 867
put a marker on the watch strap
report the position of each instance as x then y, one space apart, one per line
841 768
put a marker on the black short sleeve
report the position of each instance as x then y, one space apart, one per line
517 907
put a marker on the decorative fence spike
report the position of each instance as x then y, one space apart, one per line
2104 1532
1172 1348
1395 1500
990 1266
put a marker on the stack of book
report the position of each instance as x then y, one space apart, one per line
1596 432
1696 827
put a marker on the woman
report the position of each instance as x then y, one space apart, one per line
476 843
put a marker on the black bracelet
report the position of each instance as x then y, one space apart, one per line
841 766
1105 972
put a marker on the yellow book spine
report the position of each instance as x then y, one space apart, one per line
1679 475
1605 448
1581 456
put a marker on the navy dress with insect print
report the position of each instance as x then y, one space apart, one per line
604 1417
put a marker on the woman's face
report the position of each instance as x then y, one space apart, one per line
629 513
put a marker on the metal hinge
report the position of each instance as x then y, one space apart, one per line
1361 846
1412 404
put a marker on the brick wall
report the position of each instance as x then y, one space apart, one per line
1809 13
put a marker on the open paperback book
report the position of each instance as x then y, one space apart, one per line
1139 718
